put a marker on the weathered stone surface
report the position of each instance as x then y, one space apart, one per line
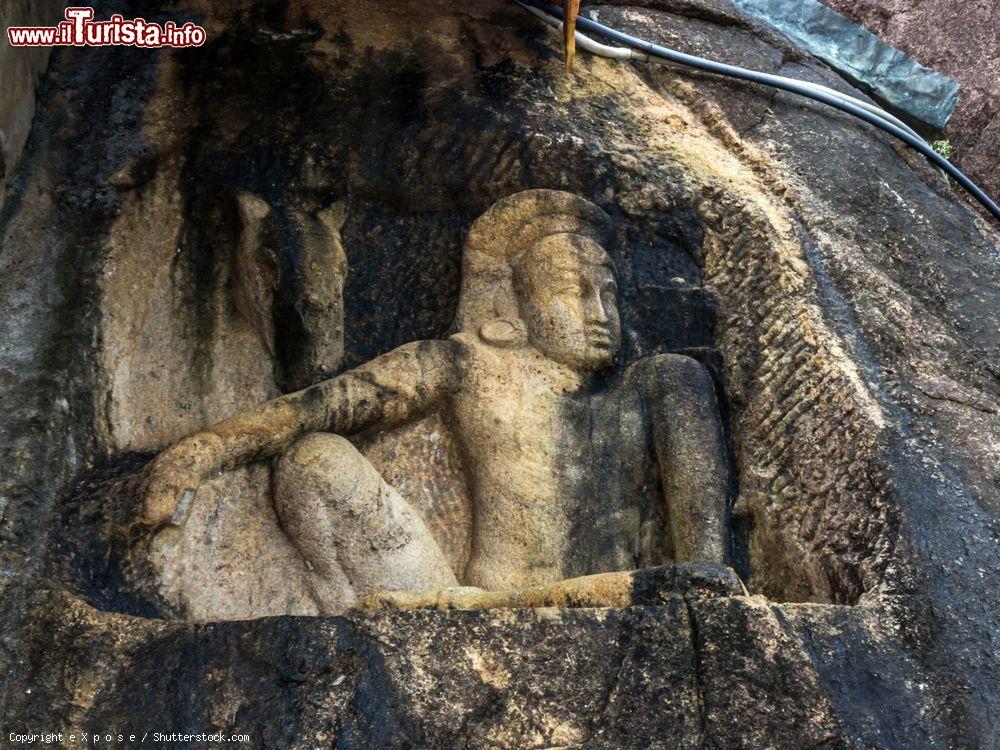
635 677
850 320
743 650
20 69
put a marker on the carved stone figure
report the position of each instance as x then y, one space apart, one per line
575 467
307 297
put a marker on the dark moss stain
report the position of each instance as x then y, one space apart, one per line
89 106
96 551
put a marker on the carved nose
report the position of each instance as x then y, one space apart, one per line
596 312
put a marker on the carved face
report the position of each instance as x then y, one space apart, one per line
567 296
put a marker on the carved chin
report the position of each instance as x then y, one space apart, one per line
579 353
590 358
598 358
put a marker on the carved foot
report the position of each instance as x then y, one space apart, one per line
648 587
459 597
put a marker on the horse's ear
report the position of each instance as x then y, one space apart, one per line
333 216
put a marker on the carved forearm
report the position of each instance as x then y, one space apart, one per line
388 390
691 454
263 432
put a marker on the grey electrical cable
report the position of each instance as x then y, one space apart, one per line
624 53
838 101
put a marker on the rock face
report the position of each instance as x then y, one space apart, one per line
156 244
20 69
959 39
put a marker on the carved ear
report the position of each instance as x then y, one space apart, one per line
504 333
330 221
253 210
333 216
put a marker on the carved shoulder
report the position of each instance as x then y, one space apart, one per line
673 377
469 347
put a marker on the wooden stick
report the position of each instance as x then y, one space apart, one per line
570 10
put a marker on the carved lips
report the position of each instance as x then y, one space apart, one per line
600 336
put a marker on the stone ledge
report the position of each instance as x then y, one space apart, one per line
722 671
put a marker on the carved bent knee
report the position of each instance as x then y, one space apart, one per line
341 514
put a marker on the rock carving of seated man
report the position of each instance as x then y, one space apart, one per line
574 467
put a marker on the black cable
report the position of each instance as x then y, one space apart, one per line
585 24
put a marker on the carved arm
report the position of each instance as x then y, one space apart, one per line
388 390
689 445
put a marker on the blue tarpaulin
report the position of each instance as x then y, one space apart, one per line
883 71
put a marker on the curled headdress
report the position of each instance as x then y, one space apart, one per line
507 229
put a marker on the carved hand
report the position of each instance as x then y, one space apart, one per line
174 476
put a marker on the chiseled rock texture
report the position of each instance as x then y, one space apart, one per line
845 302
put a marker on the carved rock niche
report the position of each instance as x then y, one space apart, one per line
223 289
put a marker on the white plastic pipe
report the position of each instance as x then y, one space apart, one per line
624 53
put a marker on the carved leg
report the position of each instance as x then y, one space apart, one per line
691 452
358 534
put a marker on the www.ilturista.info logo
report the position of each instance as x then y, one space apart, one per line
80 30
